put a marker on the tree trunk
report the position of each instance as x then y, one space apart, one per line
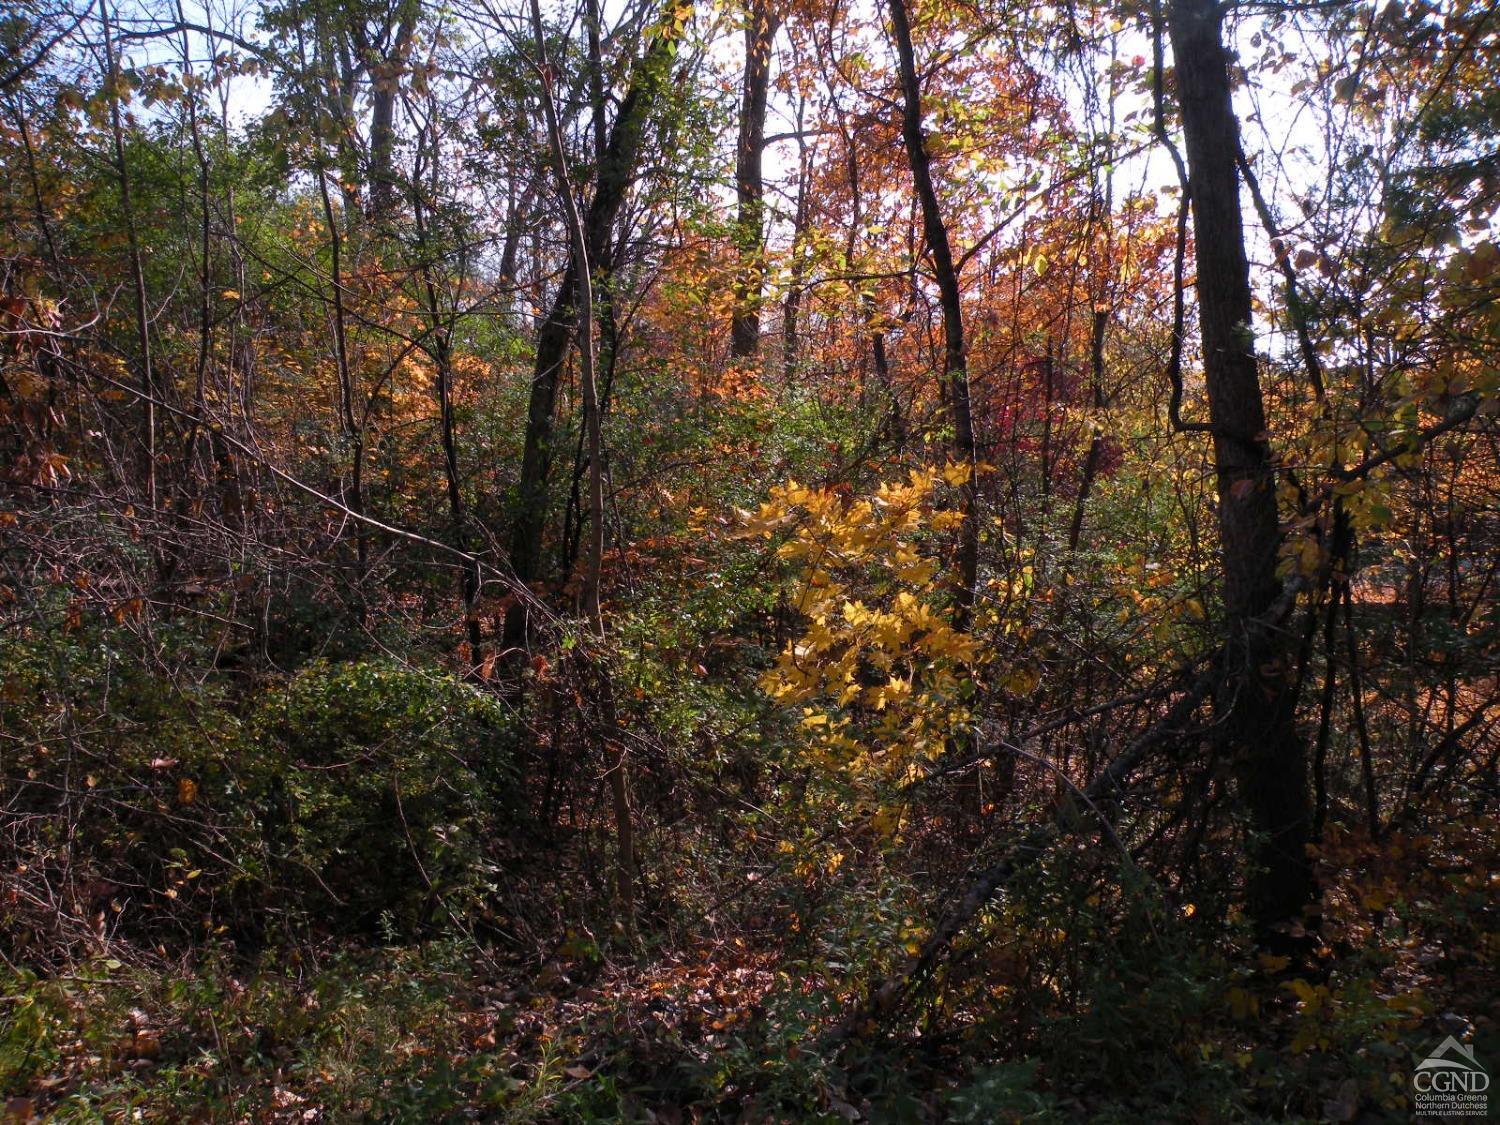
385 88
955 361
382 143
353 496
1096 437
516 214
613 750
744 334
443 357
792 307
1256 699
441 351
613 181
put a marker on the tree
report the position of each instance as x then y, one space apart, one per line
760 31
354 44
955 360
578 243
612 183
1256 697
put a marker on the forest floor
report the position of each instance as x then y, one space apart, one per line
702 1029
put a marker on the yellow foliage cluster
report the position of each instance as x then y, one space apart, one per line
882 676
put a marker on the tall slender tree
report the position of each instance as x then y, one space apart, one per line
955 358
603 689
1256 698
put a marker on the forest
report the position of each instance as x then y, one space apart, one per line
671 561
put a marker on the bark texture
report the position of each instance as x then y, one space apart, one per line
760 30
1256 701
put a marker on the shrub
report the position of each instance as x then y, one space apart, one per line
151 803
377 787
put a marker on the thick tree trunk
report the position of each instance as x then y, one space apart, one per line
385 88
955 361
516 215
613 182
1256 699
382 144
760 30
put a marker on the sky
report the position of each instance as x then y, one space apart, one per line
1277 120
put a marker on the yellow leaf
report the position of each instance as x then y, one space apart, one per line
947 521
956 473
1242 1004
